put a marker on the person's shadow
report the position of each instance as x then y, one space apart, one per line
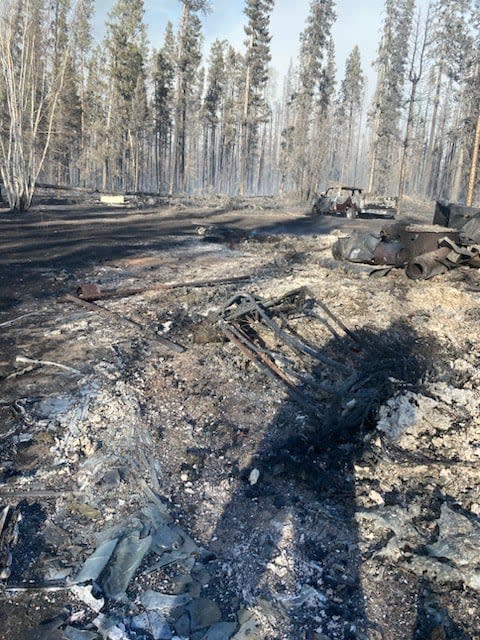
298 553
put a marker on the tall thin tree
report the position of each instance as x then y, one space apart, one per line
255 110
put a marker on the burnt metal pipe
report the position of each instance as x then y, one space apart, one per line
428 265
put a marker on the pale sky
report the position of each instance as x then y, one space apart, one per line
358 22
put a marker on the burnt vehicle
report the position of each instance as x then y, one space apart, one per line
352 202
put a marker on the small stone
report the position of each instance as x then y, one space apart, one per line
200 574
243 616
254 476
250 627
108 628
194 589
85 510
376 497
54 536
475 509
111 479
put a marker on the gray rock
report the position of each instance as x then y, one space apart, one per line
458 539
181 583
107 625
200 574
54 536
140 623
203 613
154 623
182 552
159 627
459 543
307 595
182 625
111 479
194 589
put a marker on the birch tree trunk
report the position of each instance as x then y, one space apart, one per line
31 99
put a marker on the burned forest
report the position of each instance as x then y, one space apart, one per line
239 320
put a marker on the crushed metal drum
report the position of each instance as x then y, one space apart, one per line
419 239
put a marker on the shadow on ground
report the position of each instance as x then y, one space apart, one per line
307 477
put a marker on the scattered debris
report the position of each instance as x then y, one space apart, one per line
161 494
424 250
151 334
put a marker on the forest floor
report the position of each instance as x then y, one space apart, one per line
154 494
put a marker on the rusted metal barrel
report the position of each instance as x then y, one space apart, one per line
420 239
391 253
428 265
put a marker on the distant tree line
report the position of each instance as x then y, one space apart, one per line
120 116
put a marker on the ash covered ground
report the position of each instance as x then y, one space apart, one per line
149 494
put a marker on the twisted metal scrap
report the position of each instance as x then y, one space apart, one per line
341 386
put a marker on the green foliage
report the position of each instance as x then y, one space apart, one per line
313 98
353 84
126 43
82 31
258 44
163 82
452 35
314 44
216 81
197 5
391 66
